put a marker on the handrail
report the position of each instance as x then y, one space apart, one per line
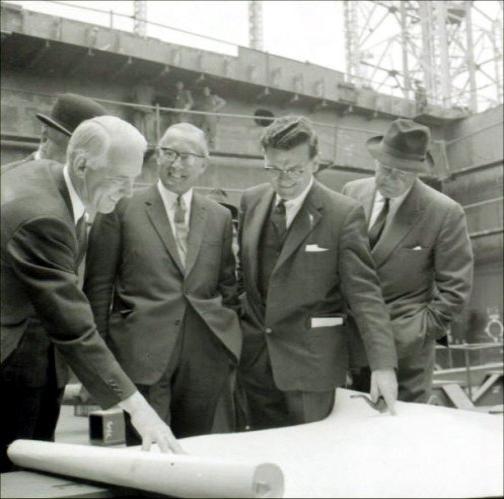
190 111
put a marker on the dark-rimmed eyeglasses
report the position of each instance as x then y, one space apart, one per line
292 173
171 155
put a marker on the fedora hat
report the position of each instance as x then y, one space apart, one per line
69 111
404 146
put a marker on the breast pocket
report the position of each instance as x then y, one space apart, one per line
415 260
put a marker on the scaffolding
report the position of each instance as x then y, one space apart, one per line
444 53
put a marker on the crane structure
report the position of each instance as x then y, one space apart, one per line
140 18
255 24
448 53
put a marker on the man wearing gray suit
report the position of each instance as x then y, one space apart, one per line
162 262
305 266
421 249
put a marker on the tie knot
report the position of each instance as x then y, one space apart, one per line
280 207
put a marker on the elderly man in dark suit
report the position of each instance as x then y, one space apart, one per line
305 265
44 206
421 249
160 276
67 113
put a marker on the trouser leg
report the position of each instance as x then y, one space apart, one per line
415 374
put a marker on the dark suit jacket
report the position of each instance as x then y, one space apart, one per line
306 284
133 261
424 261
40 297
14 164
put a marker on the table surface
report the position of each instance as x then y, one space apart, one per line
424 451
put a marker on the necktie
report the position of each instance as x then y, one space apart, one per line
181 230
279 219
376 230
81 232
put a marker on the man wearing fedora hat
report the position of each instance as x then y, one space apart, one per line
68 112
421 248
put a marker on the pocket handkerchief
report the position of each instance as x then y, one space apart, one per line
417 248
326 321
314 248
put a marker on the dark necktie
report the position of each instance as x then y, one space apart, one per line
279 219
81 232
377 229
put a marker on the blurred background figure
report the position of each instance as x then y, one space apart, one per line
211 103
68 112
183 101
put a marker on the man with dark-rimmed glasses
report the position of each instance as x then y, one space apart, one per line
162 262
305 268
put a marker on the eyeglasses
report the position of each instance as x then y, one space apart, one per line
394 173
170 156
292 173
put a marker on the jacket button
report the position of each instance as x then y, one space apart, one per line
177 322
268 330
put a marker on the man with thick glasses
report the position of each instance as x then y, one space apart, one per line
421 248
160 276
305 267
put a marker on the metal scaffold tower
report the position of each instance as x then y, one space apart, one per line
445 53
140 17
255 25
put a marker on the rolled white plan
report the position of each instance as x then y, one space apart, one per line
171 474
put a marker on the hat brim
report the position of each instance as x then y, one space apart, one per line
375 148
53 124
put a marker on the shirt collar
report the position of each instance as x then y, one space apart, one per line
298 200
170 197
393 201
78 207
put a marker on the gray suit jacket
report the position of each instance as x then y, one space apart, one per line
424 261
340 279
139 290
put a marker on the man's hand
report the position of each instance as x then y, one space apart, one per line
384 383
149 425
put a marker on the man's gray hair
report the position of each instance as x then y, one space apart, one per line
100 136
188 129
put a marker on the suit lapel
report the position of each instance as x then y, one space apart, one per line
197 227
305 221
252 233
157 215
401 224
57 173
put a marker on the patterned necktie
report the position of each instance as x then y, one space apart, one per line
81 233
377 229
279 219
181 229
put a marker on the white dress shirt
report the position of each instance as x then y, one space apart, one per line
292 206
78 207
170 203
379 201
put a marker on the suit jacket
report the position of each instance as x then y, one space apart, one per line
424 261
139 290
41 301
14 164
311 284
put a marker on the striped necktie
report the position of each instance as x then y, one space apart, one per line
181 229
